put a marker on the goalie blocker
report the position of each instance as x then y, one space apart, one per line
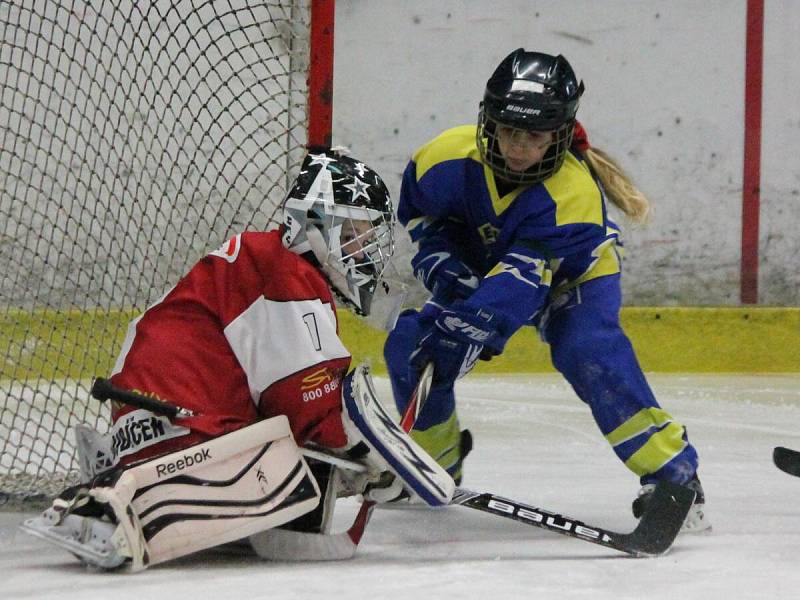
234 486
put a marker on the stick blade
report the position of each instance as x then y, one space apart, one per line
661 523
418 398
290 546
787 460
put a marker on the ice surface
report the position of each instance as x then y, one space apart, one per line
534 442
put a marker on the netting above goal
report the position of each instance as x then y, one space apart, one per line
134 138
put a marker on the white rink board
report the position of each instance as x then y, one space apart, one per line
664 95
536 443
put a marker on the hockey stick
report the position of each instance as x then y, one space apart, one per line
103 389
787 460
280 544
653 536
418 397
657 528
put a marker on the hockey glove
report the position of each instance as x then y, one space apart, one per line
445 276
454 344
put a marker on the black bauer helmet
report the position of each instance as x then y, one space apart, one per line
531 91
337 199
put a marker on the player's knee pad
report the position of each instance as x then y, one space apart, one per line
206 495
442 442
390 448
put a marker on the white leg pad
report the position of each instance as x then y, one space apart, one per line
206 495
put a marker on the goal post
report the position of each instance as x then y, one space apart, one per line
134 138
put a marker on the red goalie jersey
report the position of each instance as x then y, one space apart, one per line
250 332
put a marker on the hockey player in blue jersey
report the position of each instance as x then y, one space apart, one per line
510 222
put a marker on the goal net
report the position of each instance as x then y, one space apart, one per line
134 138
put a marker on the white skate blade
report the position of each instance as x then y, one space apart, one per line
86 538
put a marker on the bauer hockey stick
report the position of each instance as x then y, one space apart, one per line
657 529
418 397
654 535
787 460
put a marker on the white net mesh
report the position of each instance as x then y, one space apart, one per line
134 138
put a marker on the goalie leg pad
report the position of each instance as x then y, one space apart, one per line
206 495
365 420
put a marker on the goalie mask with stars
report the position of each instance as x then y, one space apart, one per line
338 214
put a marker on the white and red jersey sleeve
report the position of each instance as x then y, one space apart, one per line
250 331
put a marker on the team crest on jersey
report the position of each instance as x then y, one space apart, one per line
230 249
488 233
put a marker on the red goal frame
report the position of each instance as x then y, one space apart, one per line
320 74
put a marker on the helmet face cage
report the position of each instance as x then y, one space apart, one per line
486 139
339 216
529 91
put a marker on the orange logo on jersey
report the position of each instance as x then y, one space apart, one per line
316 379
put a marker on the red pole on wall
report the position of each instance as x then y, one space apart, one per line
751 177
320 74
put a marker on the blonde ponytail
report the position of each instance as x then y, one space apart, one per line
618 186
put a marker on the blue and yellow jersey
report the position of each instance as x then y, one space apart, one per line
552 235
